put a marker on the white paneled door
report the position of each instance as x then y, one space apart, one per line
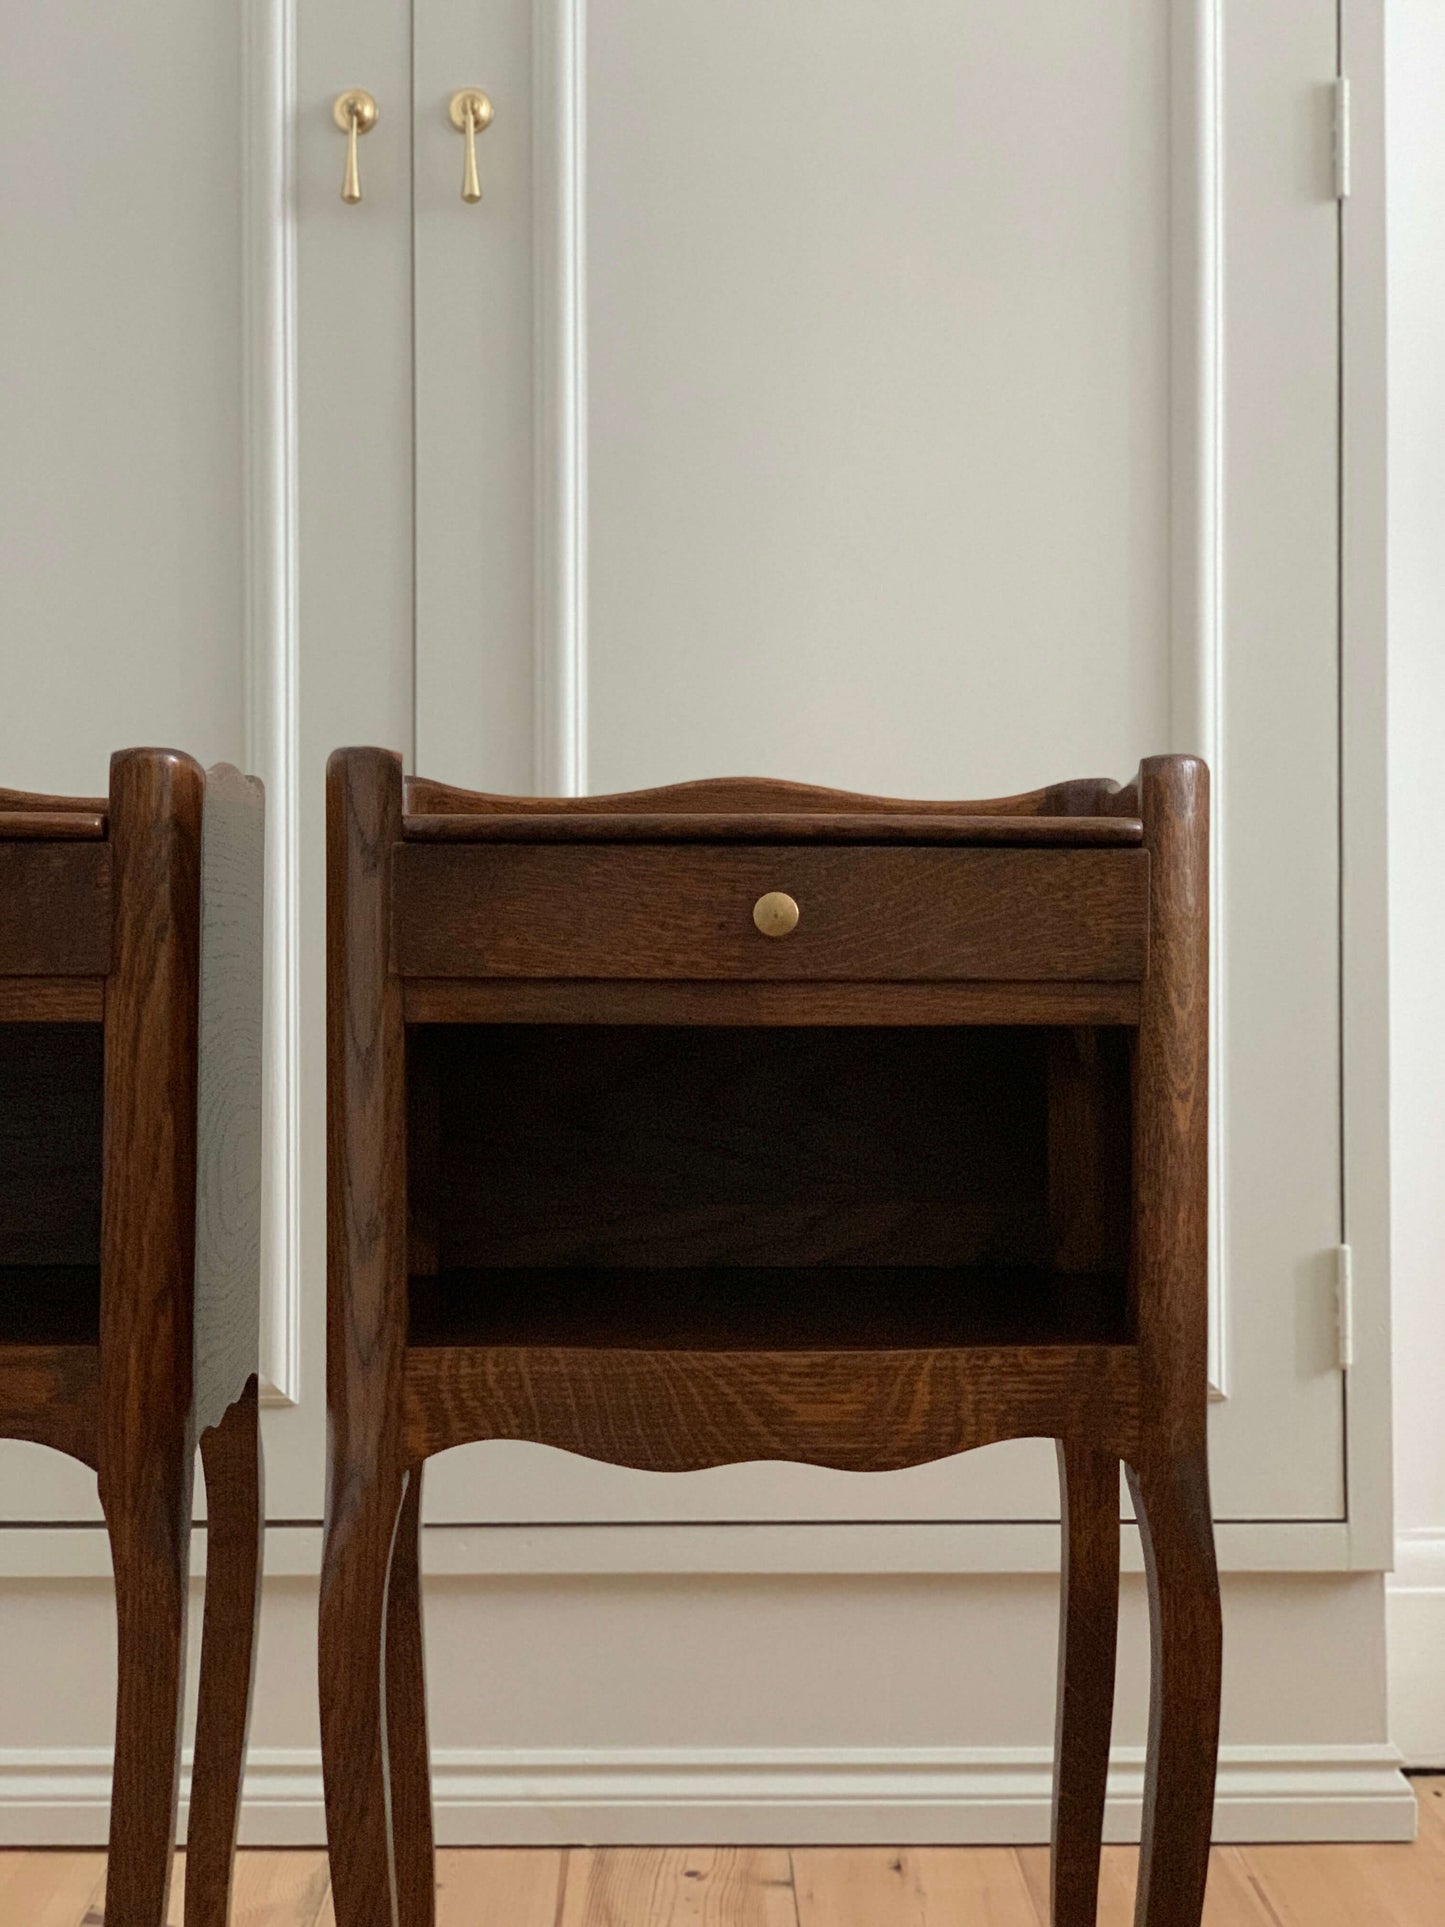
936 398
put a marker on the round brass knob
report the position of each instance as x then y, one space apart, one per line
775 914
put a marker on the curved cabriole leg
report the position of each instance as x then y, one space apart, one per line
1171 1497
150 1532
356 1557
411 1816
1088 1638
235 1511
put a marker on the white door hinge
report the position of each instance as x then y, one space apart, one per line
1345 1306
1342 138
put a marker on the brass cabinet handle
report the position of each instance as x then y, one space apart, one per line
776 914
354 113
471 114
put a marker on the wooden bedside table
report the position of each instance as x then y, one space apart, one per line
746 1121
130 1029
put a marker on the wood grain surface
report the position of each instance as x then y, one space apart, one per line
52 1000
1084 1703
1361 1885
883 914
366 1325
755 795
79 826
500 1000
1108 832
55 916
147 1435
50 1395
676 1411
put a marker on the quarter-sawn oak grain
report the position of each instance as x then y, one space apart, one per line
868 913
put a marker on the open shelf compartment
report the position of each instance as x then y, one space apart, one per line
51 1102
808 1188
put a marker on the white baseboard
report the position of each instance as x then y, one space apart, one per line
1415 1632
785 1796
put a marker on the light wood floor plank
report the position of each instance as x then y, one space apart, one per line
1232 1899
668 1887
50 1889
1362 1886
1430 1795
270 1889
1309 1886
910 1887
279 1889
516 1887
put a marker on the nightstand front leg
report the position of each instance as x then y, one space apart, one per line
361 1524
235 1530
150 1530
410 1760
1088 1639
1171 1496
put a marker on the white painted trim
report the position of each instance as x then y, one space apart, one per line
1420 1565
1415 1643
841 1549
1197 524
1364 842
271 667
560 172
787 1795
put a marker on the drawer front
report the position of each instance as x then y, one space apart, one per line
862 914
54 909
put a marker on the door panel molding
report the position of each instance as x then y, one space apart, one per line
1197 523
271 643
560 534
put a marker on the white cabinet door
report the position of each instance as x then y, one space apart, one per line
937 399
121 524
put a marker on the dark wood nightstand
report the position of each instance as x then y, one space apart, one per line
748 1121
130 1019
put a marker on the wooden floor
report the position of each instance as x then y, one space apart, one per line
806 1887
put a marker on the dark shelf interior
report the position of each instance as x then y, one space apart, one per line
52 1084
776 1188
49 1304
767 1308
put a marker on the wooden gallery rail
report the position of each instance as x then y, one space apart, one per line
747 1121
130 1120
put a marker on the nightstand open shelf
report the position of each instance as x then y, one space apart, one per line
795 1188
52 1097
773 1308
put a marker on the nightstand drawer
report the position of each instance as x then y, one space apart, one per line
789 913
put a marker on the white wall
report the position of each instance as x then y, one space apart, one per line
120 406
740 1707
1416 166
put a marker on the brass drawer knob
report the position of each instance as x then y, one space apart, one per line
775 914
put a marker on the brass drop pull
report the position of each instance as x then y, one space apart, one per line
354 113
775 914
471 114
